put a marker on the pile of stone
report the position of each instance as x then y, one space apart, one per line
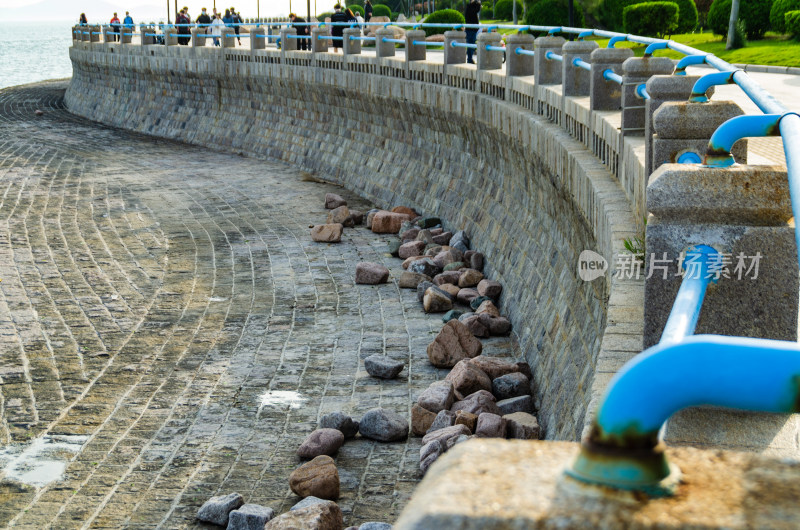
339 218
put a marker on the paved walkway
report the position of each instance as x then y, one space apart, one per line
152 293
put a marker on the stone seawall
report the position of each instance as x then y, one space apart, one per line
530 196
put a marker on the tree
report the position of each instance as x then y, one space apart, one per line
732 24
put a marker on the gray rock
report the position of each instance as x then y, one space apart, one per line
250 517
499 326
450 315
517 404
511 386
411 248
340 421
438 396
460 237
370 215
443 238
333 201
371 273
410 280
308 501
424 266
478 403
421 288
490 288
394 248
436 300
216 509
338 215
475 303
424 236
356 217
490 426
475 260
465 296
325 441
447 435
428 454
447 277
522 426
478 325
320 516
383 425
383 367
409 234
455 266
375 526
444 418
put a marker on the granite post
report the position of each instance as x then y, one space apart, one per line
607 95
636 71
351 46
489 59
384 49
576 81
518 64
548 71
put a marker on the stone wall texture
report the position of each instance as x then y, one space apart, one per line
462 145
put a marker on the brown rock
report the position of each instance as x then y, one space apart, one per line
494 367
444 418
356 218
321 442
330 233
410 234
469 278
446 436
334 201
442 238
465 296
405 210
489 308
319 478
466 418
371 273
478 325
425 236
450 277
499 326
338 215
410 249
477 403
446 257
450 289
490 426
475 260
388 222
490 288
438 396
522 426
320 516
436 301
410 280
453 343
411 260
421 420
467 379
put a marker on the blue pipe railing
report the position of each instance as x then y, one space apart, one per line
610 75
580 63
523 51
552 56
495 48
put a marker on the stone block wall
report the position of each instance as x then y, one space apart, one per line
530 196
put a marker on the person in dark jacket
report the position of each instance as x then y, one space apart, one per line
203 20
83 21
336 30
297 22
472 16
183 30
237 19
367 10
115 27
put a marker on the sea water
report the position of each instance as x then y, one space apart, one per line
34 51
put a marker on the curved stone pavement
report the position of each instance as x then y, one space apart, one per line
152 293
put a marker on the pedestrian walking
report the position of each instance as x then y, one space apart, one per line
115 27
367 10
299 23
338 30
82 21
237 21
216 29
472 16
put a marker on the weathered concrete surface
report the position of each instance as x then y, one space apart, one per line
152 292
464 489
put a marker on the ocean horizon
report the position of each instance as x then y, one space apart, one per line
34 51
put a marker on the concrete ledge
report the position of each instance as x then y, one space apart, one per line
498 484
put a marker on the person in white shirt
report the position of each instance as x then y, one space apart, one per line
216 29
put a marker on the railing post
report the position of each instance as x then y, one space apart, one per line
126 35
636 71
171 36
452 54
577 81
350 46
198 37
663 88
607 95
415 52
225 40
258 39
146 32
548 71
319 45
489 59
517 64
287 44
384 49
105 31
683 130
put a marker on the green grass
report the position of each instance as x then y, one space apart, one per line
774 49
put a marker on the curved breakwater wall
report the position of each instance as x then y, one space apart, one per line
462 146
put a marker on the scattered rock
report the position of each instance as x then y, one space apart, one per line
436 301
424 266
467 379
383 367
432 250
455 266
447 435
405 210
320 516
371 273
469 278
450 315
383 425
444 418
453 343
308 501
421 420
442 239
408 261
490 426
517 404
477 403
356 218
489 308
333 201
216 509
388 222
338 215
525 369
341 422
412 248
375 526
318 478
446 257
250 517
495 367
475 303
460 241
410 280
522 426
425 236
450 289
38 112
478 325
330 233
466 418
429 222
499 326
394 248
370 216
490 289
410 234
438 396
428 454
511 386
421 288
475 260
321 442
465 316
465 296
450 277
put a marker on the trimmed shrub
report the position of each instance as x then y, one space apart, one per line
610 13
444 16
503 10
322 16
486 13
651 19
553 13
356 9
687 16
381 10
778 13
792 22
754 14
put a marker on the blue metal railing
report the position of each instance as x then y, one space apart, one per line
610 75
552 56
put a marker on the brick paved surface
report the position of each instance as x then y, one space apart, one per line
151 294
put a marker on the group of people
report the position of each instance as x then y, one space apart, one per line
213 24
337 31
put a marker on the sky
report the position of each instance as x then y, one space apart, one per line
96 9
